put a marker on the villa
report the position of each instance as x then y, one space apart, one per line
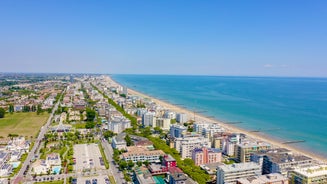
53 159
40 167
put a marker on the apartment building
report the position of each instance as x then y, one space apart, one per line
231 173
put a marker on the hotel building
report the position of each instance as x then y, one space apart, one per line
231 173
245 149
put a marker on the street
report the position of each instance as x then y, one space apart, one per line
20 175
119 177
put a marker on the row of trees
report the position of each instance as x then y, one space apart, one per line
27 108
120 109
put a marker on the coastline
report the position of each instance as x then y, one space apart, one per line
231 128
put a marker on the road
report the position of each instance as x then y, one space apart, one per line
20 175
119 177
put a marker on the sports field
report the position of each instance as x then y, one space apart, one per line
23 124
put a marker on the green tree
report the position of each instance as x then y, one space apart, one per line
2 112
158 130
130 164
90 114
108 134
89 125
77 134
139 163
123 165
128 140
38 109
146 163
11 108
146 132
188 161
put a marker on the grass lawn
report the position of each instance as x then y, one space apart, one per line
112 180
24 124
79 125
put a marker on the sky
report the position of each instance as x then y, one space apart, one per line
183 37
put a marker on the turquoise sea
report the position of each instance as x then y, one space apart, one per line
286 109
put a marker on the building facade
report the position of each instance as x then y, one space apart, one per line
177 131
244 150
231 173
205 155
186 145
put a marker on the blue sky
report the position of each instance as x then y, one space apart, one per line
261 38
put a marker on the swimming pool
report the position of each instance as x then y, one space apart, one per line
15 164
56 169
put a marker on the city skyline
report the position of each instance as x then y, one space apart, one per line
257 38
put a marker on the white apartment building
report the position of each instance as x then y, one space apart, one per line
231 173
185 145
212 129
149 119
118 124
231 143
163 123
200 126
136 154
181 118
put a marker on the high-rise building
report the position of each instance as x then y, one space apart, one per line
124 90
163 123
118 124
245 149
186 145
149 119
181 118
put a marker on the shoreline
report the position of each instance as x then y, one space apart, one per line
230 128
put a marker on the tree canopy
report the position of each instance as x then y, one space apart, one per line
90 114
2 112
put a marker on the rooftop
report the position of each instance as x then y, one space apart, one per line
135 151
282 155
252 144
312 171
269 178
169 158
239 166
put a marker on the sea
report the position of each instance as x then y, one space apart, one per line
286 109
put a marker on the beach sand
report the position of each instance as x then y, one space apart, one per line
230 128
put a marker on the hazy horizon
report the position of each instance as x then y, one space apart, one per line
252 38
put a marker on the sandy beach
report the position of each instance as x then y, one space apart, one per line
230 128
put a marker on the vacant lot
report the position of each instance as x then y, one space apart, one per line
25 124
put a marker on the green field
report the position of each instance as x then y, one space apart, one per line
23 124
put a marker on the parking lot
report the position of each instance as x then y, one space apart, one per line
88 157
93 180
